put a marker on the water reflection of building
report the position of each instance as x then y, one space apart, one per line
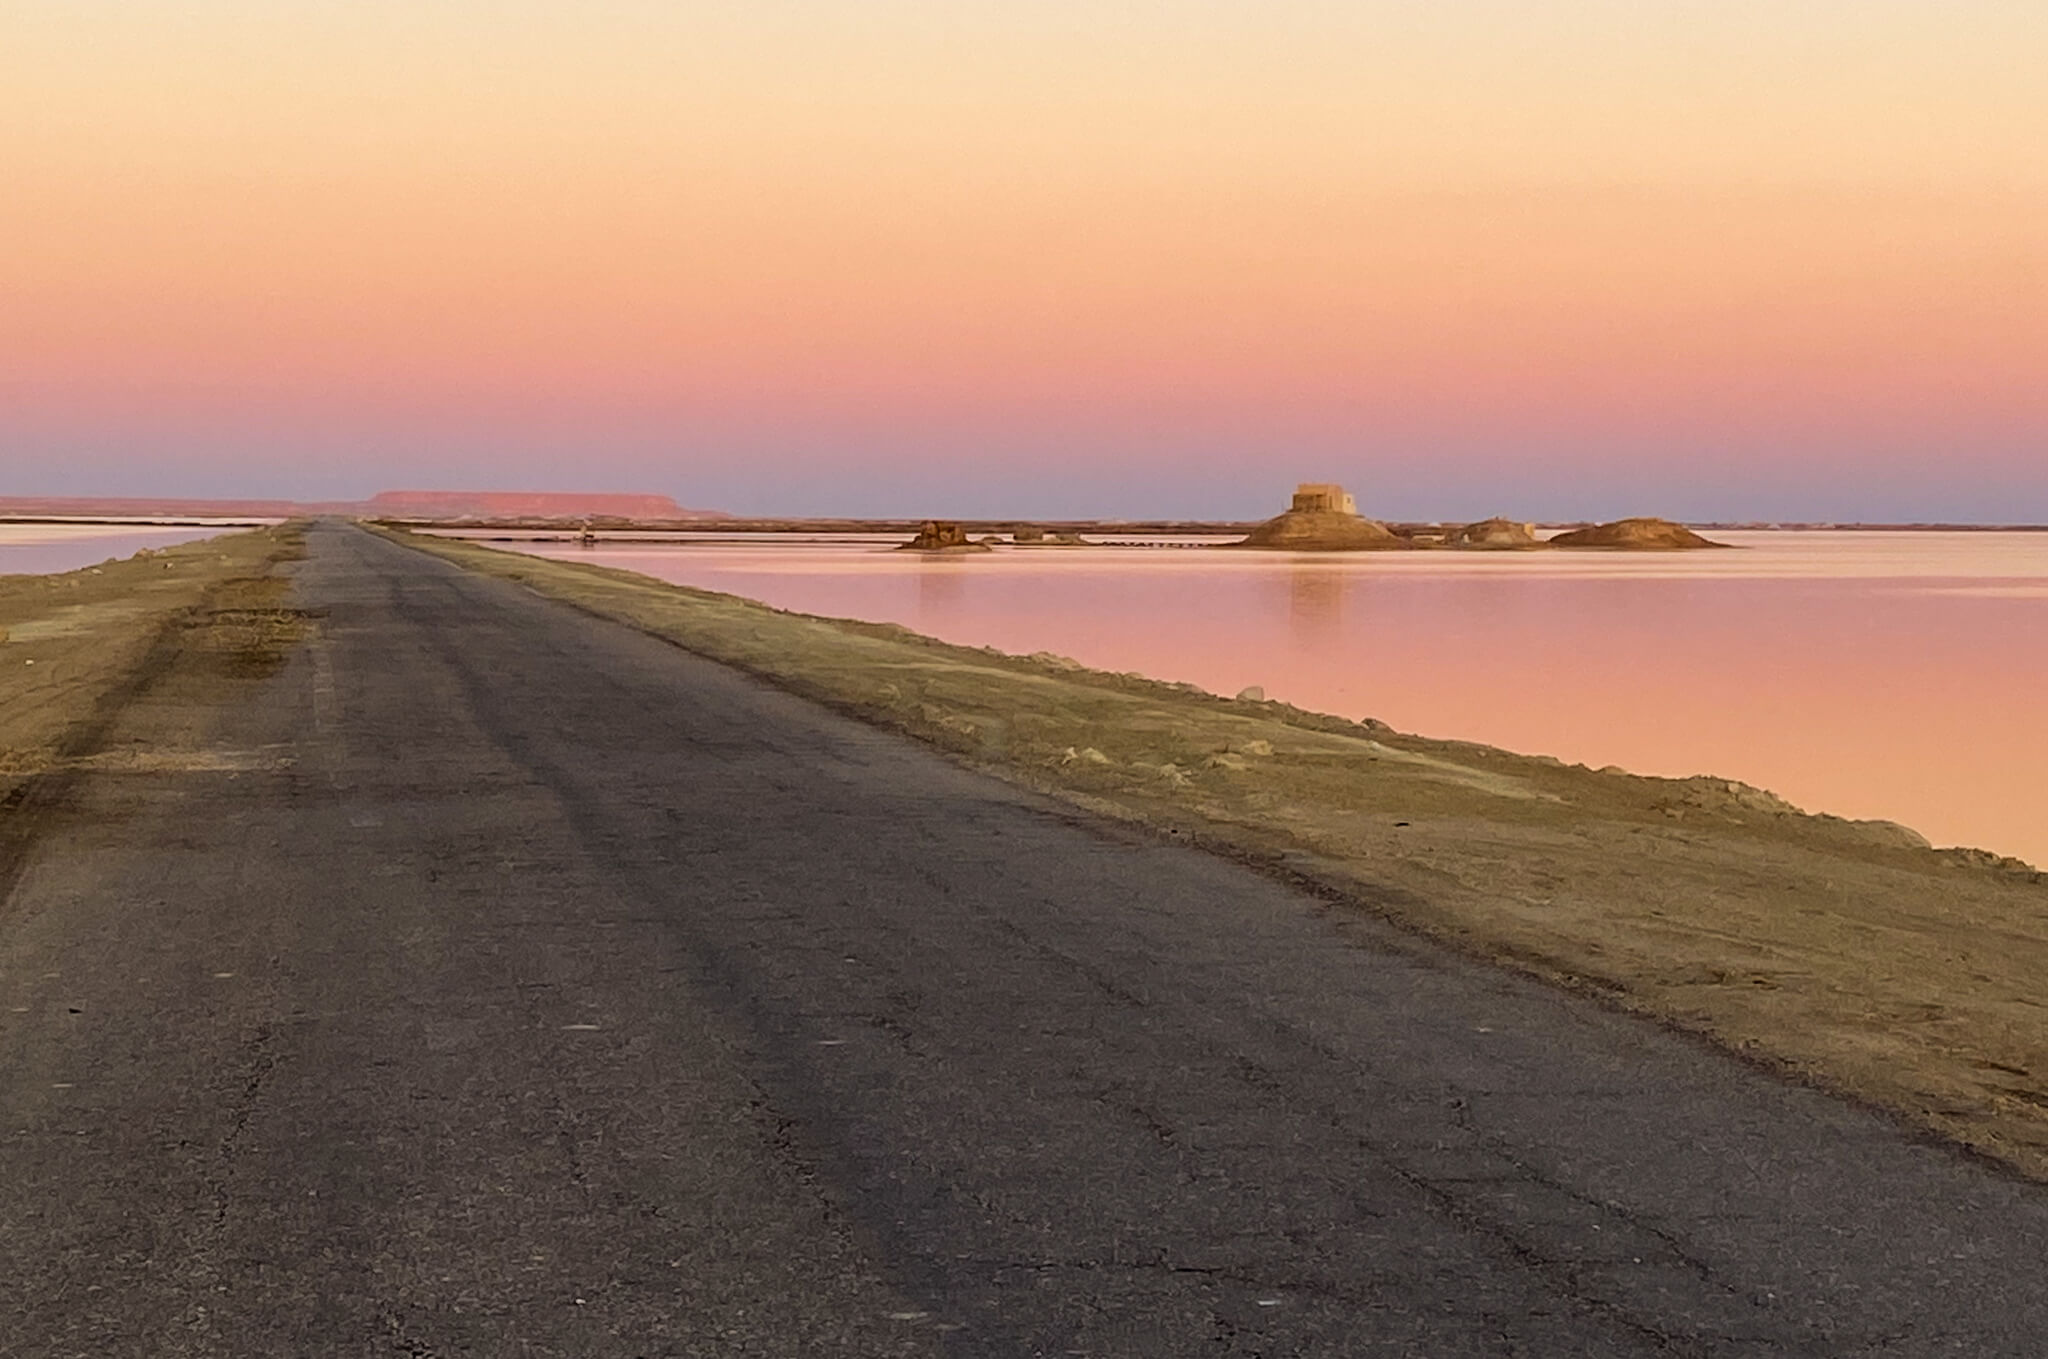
1315 604
941 588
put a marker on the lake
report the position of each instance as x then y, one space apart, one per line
1869 674
40 549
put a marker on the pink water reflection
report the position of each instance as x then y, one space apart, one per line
1892 676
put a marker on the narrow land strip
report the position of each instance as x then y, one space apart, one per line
1846 952
547 989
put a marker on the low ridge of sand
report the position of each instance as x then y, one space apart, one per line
1323 531
1848 953
1635 535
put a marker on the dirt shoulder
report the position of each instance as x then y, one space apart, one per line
75 647
1845 952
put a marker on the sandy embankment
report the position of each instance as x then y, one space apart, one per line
1843 951
75 646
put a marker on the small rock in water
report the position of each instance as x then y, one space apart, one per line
1251 693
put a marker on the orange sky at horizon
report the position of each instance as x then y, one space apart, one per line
1742 227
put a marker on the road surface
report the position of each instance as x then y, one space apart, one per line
495 980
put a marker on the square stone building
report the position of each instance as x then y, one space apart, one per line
1325 496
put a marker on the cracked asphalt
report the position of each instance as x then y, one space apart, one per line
497 980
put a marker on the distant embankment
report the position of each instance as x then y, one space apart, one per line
515 505
151 507
416 506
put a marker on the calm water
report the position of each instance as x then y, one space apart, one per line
1894 675
37 549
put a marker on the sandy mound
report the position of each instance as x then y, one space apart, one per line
1323 531
1640 535
937 537
1493 533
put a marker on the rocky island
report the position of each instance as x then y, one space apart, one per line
1635 535
1323 518
1494 535
934 536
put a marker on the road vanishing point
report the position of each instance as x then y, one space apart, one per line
493 979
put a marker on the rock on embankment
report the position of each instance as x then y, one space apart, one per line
1636 535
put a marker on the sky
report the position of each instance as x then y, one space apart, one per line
1714 259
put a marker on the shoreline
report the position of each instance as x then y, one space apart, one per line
1752 796
1755 797
1749 664
1843 953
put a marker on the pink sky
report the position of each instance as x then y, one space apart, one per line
1738 260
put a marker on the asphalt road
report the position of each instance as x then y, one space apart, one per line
495 980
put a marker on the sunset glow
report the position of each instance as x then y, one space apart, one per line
1730 260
